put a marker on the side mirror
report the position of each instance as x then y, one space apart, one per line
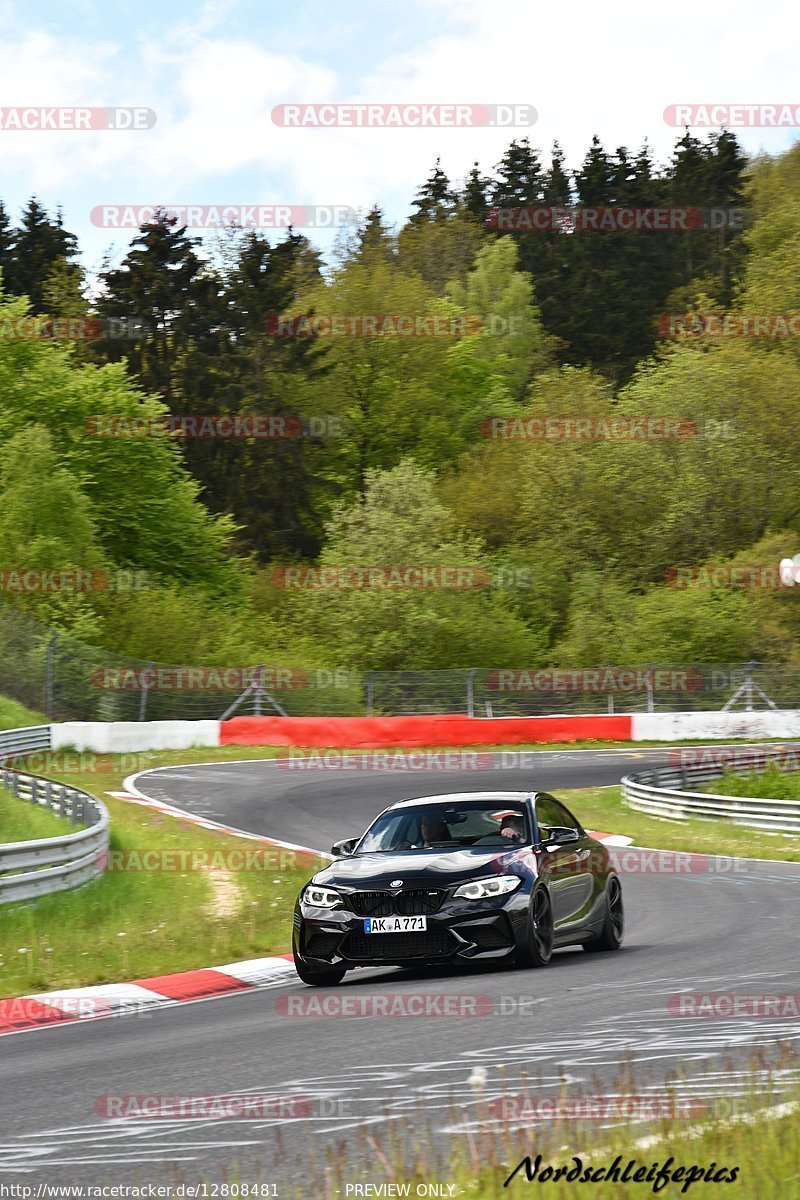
561 835
345 847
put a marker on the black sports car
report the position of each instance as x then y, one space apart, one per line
469 876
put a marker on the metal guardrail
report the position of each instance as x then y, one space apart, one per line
24 741
37 868
665 792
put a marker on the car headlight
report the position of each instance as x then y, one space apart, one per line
321 897
495 885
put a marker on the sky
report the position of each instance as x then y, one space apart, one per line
213 73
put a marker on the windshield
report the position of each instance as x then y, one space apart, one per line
444 827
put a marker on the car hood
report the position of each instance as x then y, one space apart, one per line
427 868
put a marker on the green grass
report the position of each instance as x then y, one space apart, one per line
135 923
15 716
603 809
21 821
764 1151
772 784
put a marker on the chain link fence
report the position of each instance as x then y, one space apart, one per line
65 679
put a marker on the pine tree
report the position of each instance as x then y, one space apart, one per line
374 237
159 287
38 244
474 197
435 200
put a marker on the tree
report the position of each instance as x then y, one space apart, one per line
47 525
37 247
513 342
398 523
435 200
143 501
160 288
374 238
474 197
413 391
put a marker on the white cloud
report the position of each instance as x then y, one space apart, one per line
586 68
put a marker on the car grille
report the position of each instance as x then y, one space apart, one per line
405 904
392 946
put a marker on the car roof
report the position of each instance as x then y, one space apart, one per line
459 798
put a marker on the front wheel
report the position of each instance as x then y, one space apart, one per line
613 931
318 976
538 948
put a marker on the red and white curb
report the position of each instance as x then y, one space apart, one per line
610 839
142 995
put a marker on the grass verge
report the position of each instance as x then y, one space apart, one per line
135 923
754 1159
21 821
14 715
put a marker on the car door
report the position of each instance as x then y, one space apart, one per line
568 866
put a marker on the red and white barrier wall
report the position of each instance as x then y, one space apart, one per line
120 737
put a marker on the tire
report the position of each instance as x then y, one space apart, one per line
613 932
538 948
318 976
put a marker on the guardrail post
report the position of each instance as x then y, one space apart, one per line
62 802
144 691
370 692
34 790
471 692
48 678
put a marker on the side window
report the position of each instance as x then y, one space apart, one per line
550 814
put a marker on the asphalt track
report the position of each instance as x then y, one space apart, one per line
579 1020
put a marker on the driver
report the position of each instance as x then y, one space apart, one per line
513 828
433 829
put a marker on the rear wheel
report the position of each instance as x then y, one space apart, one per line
613 931
538 948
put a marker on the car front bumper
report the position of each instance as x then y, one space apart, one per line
459 930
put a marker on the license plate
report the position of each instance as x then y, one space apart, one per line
395 924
